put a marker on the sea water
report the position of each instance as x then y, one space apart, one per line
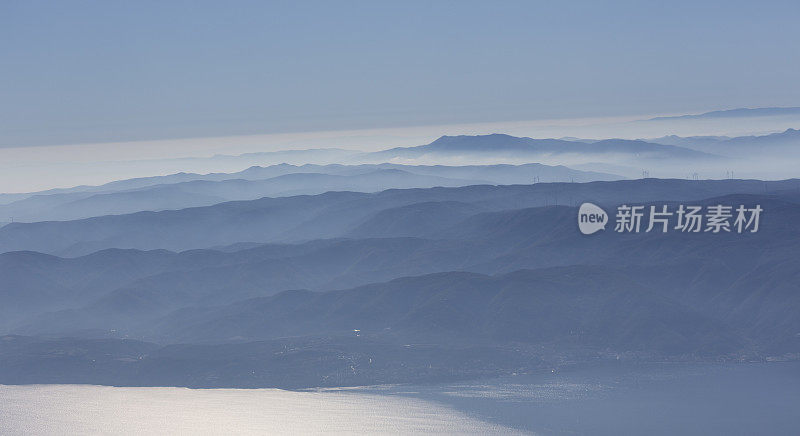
761 398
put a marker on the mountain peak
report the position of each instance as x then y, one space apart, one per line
490 136
476 142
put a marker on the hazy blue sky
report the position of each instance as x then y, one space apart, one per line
74 71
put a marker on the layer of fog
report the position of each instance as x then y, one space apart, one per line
27 169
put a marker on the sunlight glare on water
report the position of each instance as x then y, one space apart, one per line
82 409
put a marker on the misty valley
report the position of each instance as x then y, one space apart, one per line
403 285
458 283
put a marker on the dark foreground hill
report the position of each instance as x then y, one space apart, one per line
425 285
122 293
288 363
429 328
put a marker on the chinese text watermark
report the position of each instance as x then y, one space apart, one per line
682 218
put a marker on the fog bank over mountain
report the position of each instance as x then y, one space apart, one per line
329 215
183 190
27 169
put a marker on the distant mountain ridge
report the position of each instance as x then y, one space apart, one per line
257 172
183 190
785 144
735 113
500 143
291 219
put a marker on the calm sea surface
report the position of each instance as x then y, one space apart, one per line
654 399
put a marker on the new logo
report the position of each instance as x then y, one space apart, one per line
591 218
